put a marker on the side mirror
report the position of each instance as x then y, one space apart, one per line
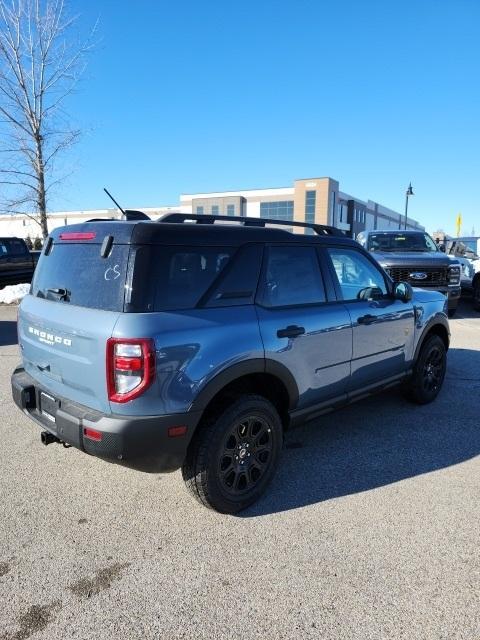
402 291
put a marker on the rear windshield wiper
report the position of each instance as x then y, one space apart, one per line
63 294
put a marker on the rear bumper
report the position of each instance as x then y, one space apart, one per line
138 442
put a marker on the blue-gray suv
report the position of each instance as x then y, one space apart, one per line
195 341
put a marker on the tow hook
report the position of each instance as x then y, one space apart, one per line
47 438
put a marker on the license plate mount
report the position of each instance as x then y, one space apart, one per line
48 406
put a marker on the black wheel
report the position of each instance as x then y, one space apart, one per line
428 372
476 293
234 454
452 312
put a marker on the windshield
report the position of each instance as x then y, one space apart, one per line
401 242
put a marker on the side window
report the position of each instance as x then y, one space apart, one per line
359 279
167 278
292 277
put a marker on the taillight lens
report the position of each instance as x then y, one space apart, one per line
130 367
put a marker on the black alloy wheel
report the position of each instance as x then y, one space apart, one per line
234 454
428 372
246 454
433 369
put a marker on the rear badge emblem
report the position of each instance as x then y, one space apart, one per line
49 338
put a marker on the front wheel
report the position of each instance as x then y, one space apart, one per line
429 372
234 454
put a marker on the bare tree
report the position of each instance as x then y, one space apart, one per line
41 61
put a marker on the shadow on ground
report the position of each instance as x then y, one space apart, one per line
465 310
8 333
379 441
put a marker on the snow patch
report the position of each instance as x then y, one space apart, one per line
13 293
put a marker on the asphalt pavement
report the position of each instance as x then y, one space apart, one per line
369 531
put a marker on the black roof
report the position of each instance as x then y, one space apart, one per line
140 232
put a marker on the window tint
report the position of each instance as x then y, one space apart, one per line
12 247
90 280
292 277
238 284
174 277
398 241
16 247
359 279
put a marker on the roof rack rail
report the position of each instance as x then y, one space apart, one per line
320 229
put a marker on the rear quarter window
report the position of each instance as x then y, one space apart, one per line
168 278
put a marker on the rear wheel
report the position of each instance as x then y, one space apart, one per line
428 372
234 454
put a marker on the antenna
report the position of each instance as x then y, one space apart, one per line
113 200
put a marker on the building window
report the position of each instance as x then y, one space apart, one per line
230 209
310 200
214 209
282 210
199 211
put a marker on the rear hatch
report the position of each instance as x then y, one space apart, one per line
76 298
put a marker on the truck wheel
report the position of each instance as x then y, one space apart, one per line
476 294
234 454
428 372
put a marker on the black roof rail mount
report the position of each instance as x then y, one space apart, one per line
320 229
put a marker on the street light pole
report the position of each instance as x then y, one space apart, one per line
408 193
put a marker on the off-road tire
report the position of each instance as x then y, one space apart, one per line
219 438
428 372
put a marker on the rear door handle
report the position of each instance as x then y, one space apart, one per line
292 331
368 319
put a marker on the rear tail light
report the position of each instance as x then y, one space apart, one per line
130 367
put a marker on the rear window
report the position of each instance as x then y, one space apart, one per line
77 274
12 247
166 278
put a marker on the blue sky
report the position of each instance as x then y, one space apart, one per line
182 97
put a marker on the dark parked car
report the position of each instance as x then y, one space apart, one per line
188 343
17 263
413 256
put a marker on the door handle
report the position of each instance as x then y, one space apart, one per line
292 331
368 319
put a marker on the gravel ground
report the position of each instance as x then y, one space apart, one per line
370 530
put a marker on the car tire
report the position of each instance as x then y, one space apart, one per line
476 293
234 454
428 372
452 312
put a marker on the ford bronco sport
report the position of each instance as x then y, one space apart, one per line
195 341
